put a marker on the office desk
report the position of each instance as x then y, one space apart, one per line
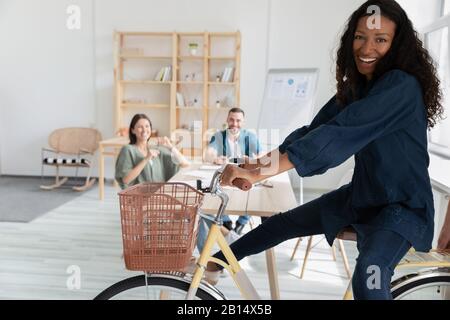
259 201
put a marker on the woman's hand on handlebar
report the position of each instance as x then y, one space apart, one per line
232 172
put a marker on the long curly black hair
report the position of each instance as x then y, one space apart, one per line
407 53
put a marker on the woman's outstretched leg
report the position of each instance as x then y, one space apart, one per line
302 221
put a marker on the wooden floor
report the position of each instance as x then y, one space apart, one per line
85 233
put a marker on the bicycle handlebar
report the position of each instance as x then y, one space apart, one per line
216 190
242 184
214 186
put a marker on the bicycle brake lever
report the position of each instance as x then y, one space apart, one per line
199 187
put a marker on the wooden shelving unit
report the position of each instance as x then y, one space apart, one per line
144 105
197 76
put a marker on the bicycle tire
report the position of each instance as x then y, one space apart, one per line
139 281
412 284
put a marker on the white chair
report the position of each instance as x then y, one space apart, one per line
346 234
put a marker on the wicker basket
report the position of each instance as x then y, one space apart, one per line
159 225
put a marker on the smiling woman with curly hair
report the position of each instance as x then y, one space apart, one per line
387 96
406 53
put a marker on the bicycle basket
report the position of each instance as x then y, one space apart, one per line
159 225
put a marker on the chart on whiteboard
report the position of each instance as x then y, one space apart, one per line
288 99
289 88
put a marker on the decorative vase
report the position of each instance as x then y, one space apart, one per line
193 49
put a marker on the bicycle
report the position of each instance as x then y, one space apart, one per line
166 279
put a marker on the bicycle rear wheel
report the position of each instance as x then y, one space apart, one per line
432 285
156 288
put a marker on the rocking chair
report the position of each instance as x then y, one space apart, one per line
71 147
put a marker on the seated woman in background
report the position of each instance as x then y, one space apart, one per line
138 163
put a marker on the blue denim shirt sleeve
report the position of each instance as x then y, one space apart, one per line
216 142
258 146
390 105
254 145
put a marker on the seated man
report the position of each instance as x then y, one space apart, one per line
233 142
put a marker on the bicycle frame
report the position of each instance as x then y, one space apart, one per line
239 276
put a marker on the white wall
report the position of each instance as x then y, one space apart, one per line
2 9
1 134
46 78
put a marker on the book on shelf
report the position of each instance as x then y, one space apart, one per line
159 75
180 100
164 74
227 75
224 74
167 73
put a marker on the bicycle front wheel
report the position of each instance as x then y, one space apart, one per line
155 288
434 285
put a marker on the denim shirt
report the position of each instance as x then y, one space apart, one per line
386 132
248 143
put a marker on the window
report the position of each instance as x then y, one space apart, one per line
437 42
445 7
